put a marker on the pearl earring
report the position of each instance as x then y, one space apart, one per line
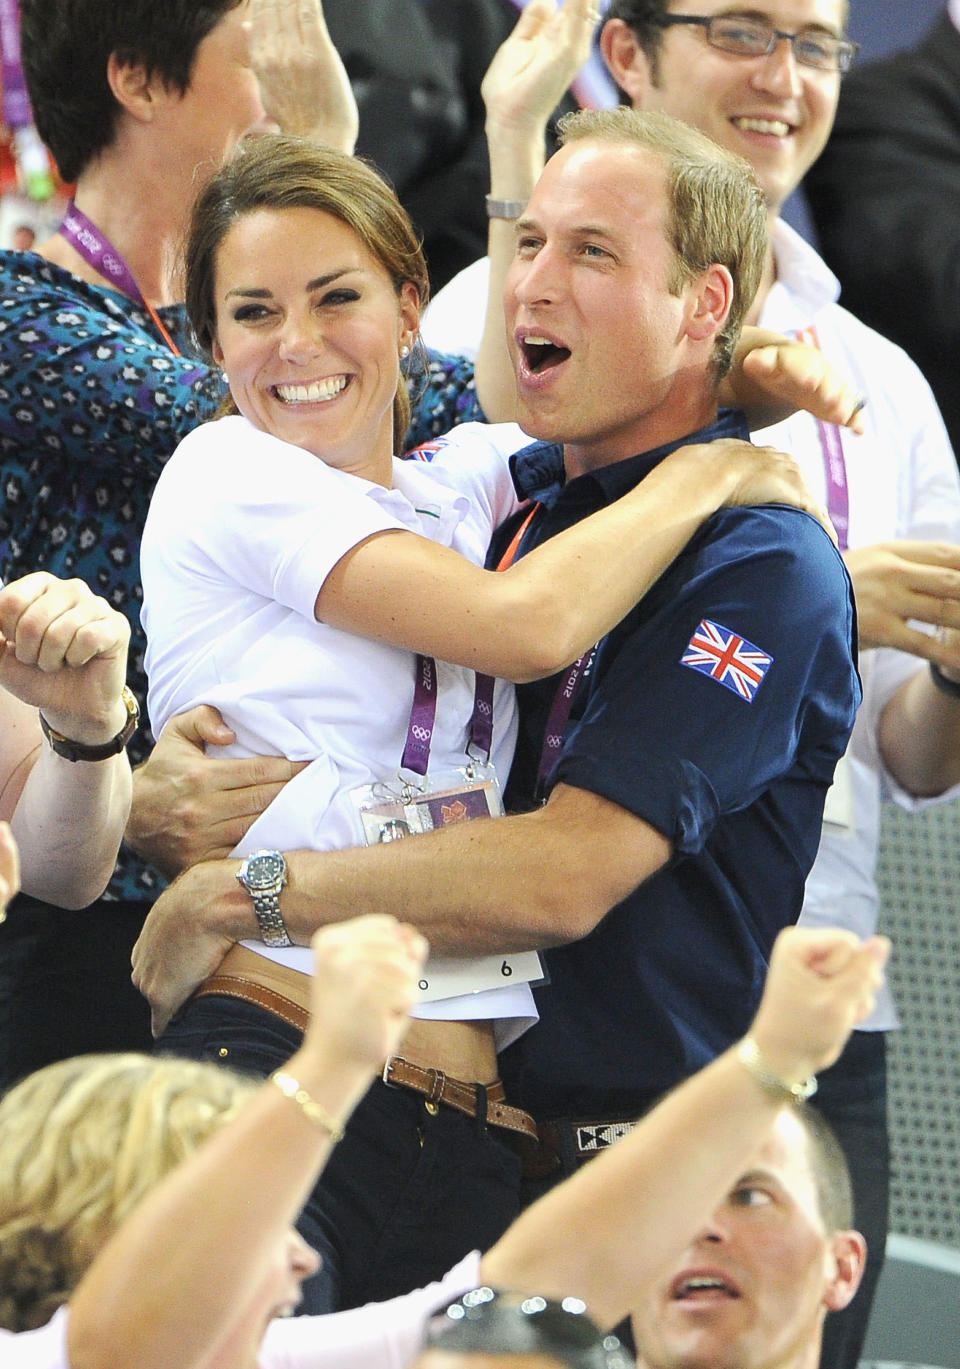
404 352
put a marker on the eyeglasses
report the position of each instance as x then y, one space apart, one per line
753 38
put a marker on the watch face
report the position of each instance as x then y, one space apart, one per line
265 871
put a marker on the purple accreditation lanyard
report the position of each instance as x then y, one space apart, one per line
99 252
423 715
834 463
562 705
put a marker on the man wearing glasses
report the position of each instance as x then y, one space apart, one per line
763 81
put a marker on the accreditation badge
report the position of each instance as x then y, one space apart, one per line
399 809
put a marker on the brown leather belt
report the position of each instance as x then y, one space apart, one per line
238 986
434 1085
438 1087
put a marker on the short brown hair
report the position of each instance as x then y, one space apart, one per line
717 209
281 172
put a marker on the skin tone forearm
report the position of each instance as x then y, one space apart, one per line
68 820
555 603
63 652
897 585
525 82
520 882
919 737
820 984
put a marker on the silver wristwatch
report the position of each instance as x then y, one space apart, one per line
263 874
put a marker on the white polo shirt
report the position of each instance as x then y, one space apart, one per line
242 531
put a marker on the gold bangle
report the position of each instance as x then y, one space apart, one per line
748 1053
290 1088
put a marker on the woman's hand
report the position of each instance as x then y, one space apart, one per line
364 983
774 376
303 83
821 983
754 475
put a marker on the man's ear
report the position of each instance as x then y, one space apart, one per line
134 91
628 63
850 1258
709 301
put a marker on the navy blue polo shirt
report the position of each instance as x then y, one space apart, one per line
716 712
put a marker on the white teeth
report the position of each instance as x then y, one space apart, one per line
314 393
535 340
694 1285
774 126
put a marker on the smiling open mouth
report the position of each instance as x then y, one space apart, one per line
775 127
541 354
705 1285
315 393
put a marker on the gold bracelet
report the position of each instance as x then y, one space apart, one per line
290 1088
748 1053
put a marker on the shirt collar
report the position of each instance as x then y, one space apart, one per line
953 9
538 470
801 272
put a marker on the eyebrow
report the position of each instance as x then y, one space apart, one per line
318 282
580 230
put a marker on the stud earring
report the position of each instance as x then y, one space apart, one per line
404 352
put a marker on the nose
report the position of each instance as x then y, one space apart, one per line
715 1231
299 339
538 279
778 71
304 1260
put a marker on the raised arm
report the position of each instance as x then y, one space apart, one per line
636 1207
303 84
555 603
63 655
148 1298
524 84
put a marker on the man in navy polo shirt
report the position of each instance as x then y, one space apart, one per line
698 741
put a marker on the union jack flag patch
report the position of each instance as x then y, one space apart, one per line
728 658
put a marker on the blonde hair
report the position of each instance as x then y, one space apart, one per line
81 1142
717 210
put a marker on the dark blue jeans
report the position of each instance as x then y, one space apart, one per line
65 984
407 1193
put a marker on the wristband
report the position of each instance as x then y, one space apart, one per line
504 209
80 751
290 1088
951 687
748 1053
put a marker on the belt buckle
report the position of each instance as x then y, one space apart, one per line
385 1073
